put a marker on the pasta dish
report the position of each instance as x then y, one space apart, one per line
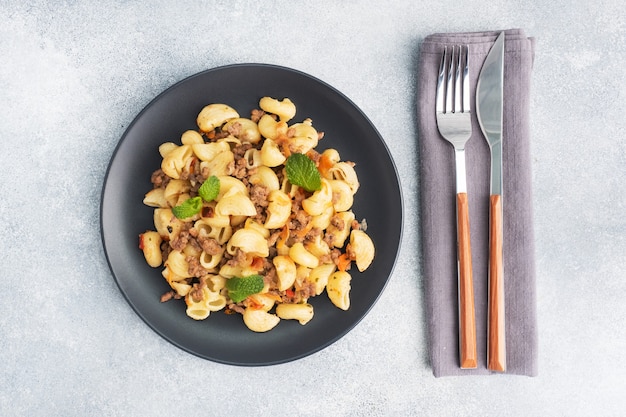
250 218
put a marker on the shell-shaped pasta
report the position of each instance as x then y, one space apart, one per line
272 129
363 248
229 271
177 264
249 241
278 209
301 312
263 301
285 271
345 172
235 204
266 177
342 195
338 289
319 276
215 301
206 229
302 275
181 288
208 151
210 301
303 257
166 223
317 246
340 234
175 160
259 320
252 158
230 185
197 310
174 189
166 147
192 250
237 220
271 154
243 129
287 187
211 217
210 261
304 138
220 164
285 109
215 283
191 137
257 227
215 115
320 199
150 243
322 221
155 198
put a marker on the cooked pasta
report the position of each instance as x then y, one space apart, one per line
235 229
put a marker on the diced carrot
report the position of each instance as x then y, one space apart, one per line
282 237
325 164
343 262
257 263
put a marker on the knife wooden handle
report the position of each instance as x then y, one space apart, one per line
496 344
467 319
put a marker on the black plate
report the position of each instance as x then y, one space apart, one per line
224 338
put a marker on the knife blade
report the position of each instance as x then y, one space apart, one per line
489 97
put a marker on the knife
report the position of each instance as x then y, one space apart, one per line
489 95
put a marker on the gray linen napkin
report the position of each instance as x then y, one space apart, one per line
438 209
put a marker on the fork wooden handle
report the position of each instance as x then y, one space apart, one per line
467 319
496 344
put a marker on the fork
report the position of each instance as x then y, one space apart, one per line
454 124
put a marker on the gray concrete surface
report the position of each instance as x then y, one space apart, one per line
73 75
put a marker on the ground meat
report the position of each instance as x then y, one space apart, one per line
236 308
314 156
165 249
235 129
256 115
168 296
350 252
305 291
271 241
258 195
180 241
240 170
195 269
298 223
240 258
337 222
209 245
159 179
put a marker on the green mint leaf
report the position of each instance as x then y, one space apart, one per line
210 189
301 171
188 208
239 288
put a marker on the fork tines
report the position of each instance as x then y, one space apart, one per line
453 76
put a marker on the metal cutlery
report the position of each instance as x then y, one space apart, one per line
489 95
455 125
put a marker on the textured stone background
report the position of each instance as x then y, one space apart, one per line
73 75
